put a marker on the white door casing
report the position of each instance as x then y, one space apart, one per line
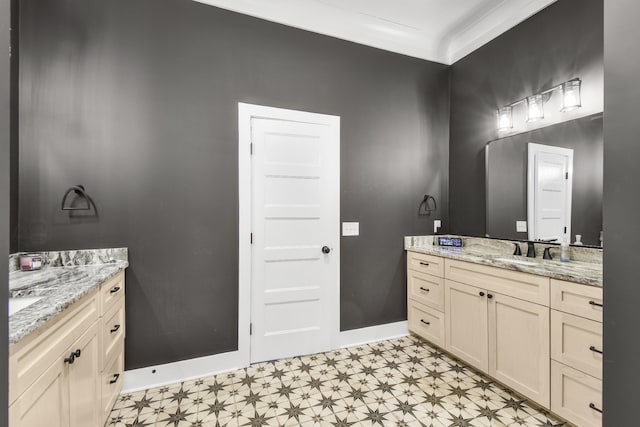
293 212
549 191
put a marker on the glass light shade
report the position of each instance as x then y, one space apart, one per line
571 95
535 108
505 118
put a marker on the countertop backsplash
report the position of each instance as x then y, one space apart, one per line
506 247
73 257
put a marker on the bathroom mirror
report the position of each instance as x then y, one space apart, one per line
541 181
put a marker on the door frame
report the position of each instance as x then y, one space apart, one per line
247 112
532 149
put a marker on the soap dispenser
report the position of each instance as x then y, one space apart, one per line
565 250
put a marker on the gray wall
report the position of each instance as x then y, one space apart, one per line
5 67
621 207
561 42
507 178
139 103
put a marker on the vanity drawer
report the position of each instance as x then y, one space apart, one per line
111 381
426 289
32 357
111 292
576 396
426 264
112 332
426 322
574 298
506 282
576 341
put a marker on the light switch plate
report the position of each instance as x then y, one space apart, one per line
350 228
436 225
521 226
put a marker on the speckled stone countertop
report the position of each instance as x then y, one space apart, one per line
585 266
58 287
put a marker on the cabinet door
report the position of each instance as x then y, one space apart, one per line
466 323
519 350
45 402
84 381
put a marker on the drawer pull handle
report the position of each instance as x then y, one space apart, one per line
115 289
73 356
481 294
594 407
424 289
595 350
425 322
595 303
426 264
115 328
115 379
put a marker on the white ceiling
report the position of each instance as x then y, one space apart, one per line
436 30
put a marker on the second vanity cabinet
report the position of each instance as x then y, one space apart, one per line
68 374
539 336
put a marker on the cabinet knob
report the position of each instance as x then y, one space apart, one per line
481 294
326 249
489 296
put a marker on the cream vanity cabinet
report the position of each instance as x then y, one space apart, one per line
65 374
498 321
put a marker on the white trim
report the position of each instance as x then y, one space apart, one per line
190 369
246 112
356 25
372 334
184 370
532 150
487 27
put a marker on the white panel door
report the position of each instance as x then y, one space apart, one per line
549 191
295 231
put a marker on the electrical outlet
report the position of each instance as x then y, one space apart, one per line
521 226
350 228
436 225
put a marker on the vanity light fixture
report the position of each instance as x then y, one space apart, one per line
571 99
535 108
571 95
505 118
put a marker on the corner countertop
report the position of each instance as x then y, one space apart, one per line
59 288
494 255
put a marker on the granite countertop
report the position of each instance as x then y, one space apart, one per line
59 288
494 255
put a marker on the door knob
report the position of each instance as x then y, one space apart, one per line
326 249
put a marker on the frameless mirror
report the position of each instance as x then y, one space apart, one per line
545 182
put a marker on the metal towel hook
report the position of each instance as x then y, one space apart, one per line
79 191
427 208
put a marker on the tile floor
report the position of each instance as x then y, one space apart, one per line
400 382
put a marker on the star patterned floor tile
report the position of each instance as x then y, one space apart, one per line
402 382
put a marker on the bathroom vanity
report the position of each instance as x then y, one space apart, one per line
533 325
66 354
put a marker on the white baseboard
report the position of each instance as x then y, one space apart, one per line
372 334
185 370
